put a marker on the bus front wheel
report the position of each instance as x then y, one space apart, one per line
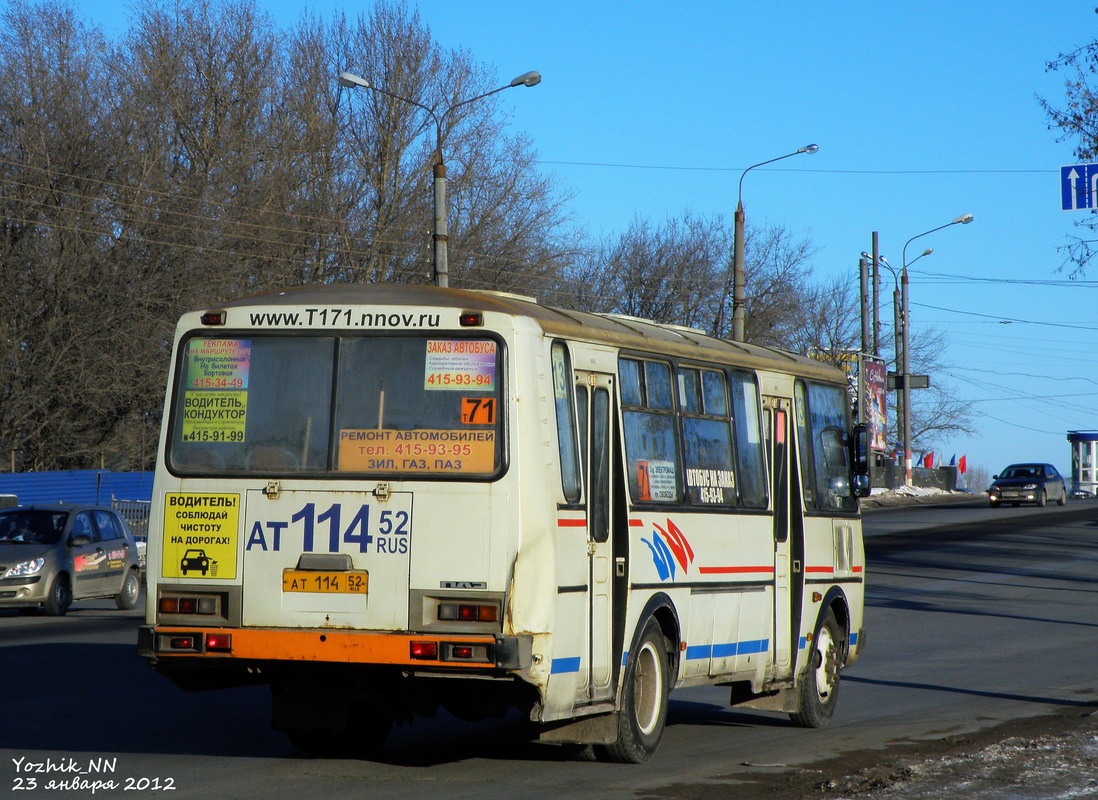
820 686
643 715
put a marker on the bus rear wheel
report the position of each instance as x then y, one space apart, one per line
643 715
820 686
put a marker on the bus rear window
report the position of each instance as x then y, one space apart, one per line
318 404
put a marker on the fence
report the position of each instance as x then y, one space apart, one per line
135 512
890 475
128 493
92 486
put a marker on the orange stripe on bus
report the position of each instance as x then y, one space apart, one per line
566 522
330 646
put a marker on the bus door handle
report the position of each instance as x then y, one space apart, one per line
619 567
796 566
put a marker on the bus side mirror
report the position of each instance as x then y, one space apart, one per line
859 459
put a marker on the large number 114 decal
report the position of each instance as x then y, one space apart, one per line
670 548
308 531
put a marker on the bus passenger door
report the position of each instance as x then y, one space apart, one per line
594 403
787 567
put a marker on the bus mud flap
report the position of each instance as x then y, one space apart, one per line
600 729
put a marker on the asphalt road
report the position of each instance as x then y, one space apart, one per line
975 618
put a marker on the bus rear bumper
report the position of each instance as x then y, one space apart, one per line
160 644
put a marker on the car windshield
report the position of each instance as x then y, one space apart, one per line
31 527
1021 471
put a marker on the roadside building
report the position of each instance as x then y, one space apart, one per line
1084 461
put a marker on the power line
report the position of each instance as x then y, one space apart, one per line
673 168
1061 283
1009 320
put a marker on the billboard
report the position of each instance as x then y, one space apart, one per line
874 383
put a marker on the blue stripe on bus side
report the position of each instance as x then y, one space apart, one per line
693 653
726 649
563 665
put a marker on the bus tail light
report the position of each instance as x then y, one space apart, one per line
188 605
471 319
213 318
219 642
468 612
424 651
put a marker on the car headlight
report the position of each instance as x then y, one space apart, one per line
31 567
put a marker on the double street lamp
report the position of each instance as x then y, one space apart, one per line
441 261
905 373
737 258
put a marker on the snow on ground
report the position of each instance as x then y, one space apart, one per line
1053 766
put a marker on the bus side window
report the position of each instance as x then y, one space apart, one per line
804 446
750 463
648 417
822 421
707 437
566 423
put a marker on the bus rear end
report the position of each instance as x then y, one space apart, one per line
323 516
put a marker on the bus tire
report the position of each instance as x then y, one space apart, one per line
820 686
643 714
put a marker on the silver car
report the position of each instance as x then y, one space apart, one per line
52 555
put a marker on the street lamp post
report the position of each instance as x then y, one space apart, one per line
964 219
898 332
441 261
737 258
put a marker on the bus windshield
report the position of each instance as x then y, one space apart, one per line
397 405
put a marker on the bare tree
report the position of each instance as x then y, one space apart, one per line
936 413
506 221
777 287
65 319
830 321
680 271
666 273
206 155
1077 122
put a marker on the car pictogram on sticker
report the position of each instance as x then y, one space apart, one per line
194 560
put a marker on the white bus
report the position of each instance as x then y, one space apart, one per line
381 500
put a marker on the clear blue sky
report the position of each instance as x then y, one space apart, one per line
922 112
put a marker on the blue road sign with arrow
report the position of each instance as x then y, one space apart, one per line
1079 187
